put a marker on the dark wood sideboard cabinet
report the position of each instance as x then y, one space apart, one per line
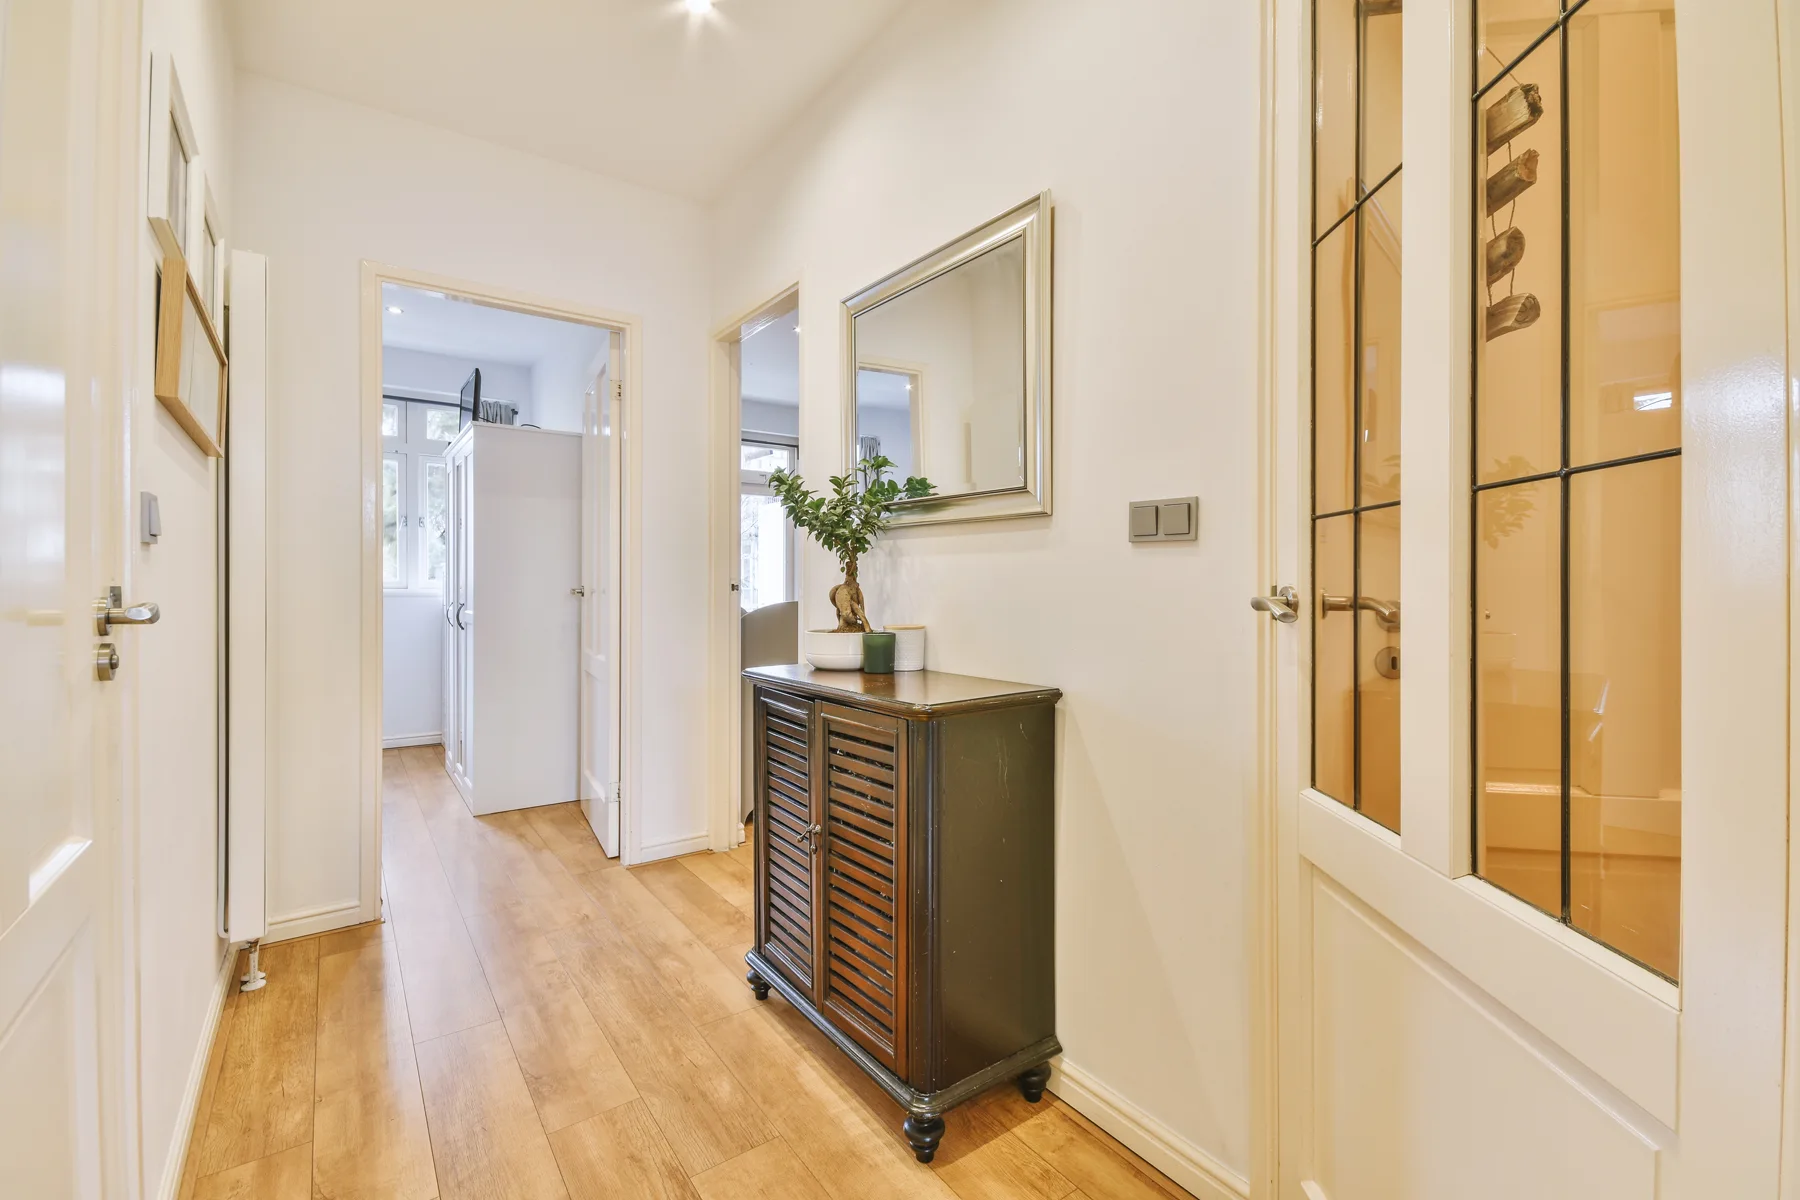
905 876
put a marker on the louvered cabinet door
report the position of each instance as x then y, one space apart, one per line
787 841
862 984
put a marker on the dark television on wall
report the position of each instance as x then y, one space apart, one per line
469 401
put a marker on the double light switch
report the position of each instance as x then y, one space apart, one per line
1176 520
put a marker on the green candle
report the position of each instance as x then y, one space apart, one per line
878 653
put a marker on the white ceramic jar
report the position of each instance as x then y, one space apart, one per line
909 647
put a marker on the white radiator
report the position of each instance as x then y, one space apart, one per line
243 881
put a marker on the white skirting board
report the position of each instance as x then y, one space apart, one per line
180 1142
416 739
1193 1168
674 847
309 921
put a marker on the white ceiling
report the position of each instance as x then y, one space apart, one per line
636 89
440 324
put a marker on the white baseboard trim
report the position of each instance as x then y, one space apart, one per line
417 739
651 851
180 1141
309 921
1187 1164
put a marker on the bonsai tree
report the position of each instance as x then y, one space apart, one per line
847 522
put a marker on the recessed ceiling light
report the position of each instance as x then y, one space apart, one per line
699 7
395 309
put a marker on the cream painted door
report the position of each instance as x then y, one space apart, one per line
63 323
1530 875
599 690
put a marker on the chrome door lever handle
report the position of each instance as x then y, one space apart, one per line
111 610
1283 603
1387 613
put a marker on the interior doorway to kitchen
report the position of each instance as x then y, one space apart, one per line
502 545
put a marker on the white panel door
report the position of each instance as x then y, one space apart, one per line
600 477
62 329
1529 880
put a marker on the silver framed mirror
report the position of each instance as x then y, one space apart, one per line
947 372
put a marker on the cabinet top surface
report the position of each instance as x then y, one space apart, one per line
918 692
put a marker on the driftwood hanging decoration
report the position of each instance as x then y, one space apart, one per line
1512 314
1503 255
1511 181
1512 114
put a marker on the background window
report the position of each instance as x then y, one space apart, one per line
768 567
391 519
415 492
434 519
441 423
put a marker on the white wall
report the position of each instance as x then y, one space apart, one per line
560 383
323 185
763 416
171 668
441 376
412 667
1142 117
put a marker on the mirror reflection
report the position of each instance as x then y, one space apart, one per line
940 376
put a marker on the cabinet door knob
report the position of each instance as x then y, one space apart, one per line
811 834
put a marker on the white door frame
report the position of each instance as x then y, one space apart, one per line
1685 1067
630 328
725 829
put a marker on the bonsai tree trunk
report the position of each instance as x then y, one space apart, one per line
847 598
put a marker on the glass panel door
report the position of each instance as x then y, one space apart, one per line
1577 443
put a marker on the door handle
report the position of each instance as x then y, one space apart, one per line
1387 613
578 591
811 834
1282 603
111 610
462 610
448 619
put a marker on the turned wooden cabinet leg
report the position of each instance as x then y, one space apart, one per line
1033 1081
758 985
924 1133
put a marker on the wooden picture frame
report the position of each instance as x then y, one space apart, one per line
170 193
191 375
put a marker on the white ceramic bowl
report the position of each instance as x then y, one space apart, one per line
828 650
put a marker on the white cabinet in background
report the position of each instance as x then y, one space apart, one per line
511 617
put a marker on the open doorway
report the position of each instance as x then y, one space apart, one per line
500 545
762 398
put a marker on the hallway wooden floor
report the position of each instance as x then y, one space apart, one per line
532 1021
